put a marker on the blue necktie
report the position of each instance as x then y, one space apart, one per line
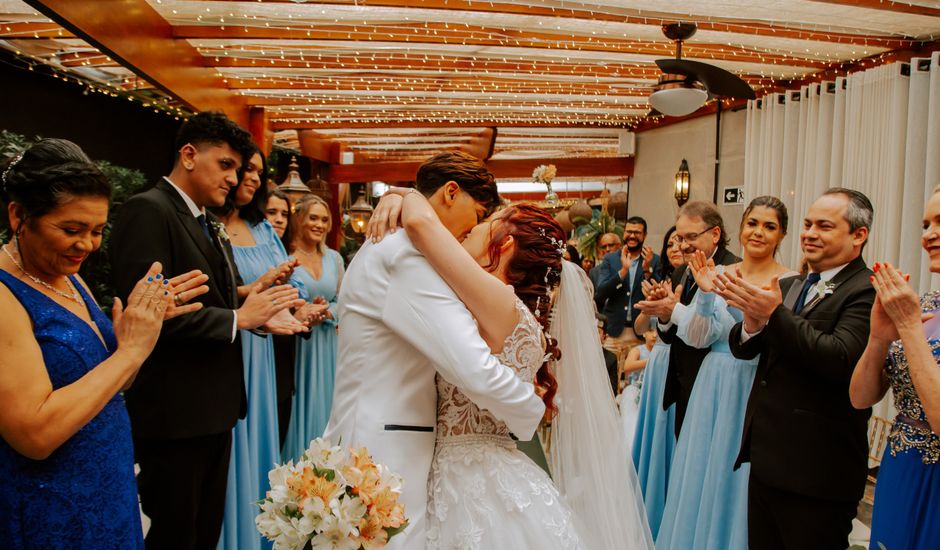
205 226
811 280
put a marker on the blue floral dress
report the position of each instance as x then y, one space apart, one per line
84 494
907 495
315 368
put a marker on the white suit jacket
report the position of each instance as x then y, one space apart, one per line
400 323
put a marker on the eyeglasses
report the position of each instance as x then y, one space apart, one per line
634 233
688 238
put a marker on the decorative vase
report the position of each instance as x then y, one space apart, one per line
551 197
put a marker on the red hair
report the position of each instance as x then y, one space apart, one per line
533 271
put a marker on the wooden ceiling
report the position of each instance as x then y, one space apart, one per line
397 80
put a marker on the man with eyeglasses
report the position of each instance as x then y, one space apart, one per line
620 276
607 243
698 227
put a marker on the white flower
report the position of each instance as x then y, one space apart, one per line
220 230
350 510
324 455
544 174
336 535
824 288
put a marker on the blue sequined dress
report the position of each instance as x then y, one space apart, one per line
706 508
654 439
907 495
316 360
255 442
84 494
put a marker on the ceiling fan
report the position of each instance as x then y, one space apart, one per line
686 85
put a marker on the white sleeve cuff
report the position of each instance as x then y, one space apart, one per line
745 335
234 325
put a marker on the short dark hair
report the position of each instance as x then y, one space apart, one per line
464 169
710 215
860 212
275 192
49 174
214 128
636 220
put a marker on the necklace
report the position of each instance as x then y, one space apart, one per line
74 296
314 254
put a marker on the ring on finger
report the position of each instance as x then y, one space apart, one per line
178 299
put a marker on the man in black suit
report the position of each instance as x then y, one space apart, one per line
620 276
698 227
190 391
807 445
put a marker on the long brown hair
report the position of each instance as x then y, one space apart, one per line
533 271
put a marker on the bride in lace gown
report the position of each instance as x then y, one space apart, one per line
483 492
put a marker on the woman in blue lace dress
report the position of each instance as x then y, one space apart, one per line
261 259
706 506
66 456
907 496
320 274
654 438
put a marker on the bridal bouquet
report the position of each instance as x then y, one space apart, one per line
332 499
544 173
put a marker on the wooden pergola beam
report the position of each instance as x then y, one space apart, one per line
393 172
324 124
887 5
134 34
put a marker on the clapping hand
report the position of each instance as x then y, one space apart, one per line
182 289
895 300
647 255
314 313
660 300
137 325
756 303
283 323
703 270
262 304
279 274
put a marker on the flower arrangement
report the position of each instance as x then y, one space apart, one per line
544 174
331 499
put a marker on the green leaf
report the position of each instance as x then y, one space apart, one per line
392 531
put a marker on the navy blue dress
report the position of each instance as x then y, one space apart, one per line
84 494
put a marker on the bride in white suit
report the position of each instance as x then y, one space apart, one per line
483 492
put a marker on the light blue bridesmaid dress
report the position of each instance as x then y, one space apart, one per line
654 440
706 508
316 360
255 448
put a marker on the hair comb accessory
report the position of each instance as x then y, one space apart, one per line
10 166
557 243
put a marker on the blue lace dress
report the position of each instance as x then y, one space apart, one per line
255 442
316 360
907 495
84 494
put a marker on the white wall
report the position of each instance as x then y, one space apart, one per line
658 154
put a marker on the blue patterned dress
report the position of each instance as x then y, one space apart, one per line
907 495
84 494
654 439
255 446
316 360
706 508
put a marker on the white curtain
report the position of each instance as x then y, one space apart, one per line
877 131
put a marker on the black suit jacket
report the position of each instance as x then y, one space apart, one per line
192 384
801 433
684 360
612 294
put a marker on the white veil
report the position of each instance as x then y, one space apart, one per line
589 459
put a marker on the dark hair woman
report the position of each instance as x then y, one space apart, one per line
66 457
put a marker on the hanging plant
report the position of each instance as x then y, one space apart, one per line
589 233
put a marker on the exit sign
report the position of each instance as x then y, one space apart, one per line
733 195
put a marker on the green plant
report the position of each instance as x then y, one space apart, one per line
589 233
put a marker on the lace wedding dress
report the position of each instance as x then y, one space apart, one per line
485 494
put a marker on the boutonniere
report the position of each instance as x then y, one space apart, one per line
219 229
824 288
